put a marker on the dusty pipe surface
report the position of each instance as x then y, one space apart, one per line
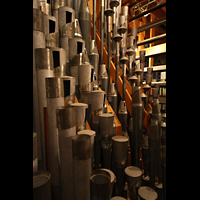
44 67
41 185
55 98
82 152
66 124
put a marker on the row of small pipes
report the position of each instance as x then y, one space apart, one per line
72 156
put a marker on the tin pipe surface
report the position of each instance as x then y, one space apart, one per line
85 22
55 98
38 42
94 19
112 97
66 124
41 185
82 151
102 31
44 67
120 152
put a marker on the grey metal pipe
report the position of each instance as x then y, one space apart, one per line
123 114
133 175
120 152
142 63
114 4
51 31
44 6
106 133
56 4
69 89
109 12
41 185
97 98
65 15
103 78
76 7
85 22
35 153
130 53
84 77
92 134
66 124
94 19
55 98
100 185
102 31
112 179
80 109
81 151
44 67
136 139
112 97
38 42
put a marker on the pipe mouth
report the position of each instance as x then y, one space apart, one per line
40 178
119 138
146 192
100 177
87 132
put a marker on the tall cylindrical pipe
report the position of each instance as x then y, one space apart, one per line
102 31
80 110
109 12
100 185
44 67
120 152
35 153
38 42
66 124
81 150
94 19
114 4
55 98
41 185
142 63
97 97
106 133
136 140
123 114
85 22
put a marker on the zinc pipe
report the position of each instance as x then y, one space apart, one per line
66 124
35 153
55 98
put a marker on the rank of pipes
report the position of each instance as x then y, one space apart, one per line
76 152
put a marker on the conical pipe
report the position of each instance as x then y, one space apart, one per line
123 114
100 185
66 124
133 175
103 78
112 97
